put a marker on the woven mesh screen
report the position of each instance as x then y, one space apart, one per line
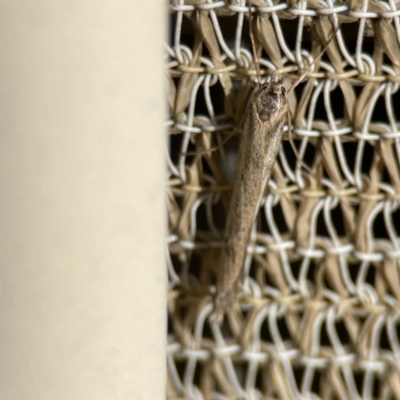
318 315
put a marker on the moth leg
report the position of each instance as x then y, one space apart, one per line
290 137
211 149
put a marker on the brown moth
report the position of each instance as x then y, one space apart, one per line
263 128
262 137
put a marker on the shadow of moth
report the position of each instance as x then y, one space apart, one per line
263 128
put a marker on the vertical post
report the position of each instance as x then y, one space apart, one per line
82 275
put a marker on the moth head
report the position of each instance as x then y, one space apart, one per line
270 101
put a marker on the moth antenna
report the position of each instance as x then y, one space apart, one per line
301 77
253 46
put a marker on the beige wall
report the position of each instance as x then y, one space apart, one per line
82 276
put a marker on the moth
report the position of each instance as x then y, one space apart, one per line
263 128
